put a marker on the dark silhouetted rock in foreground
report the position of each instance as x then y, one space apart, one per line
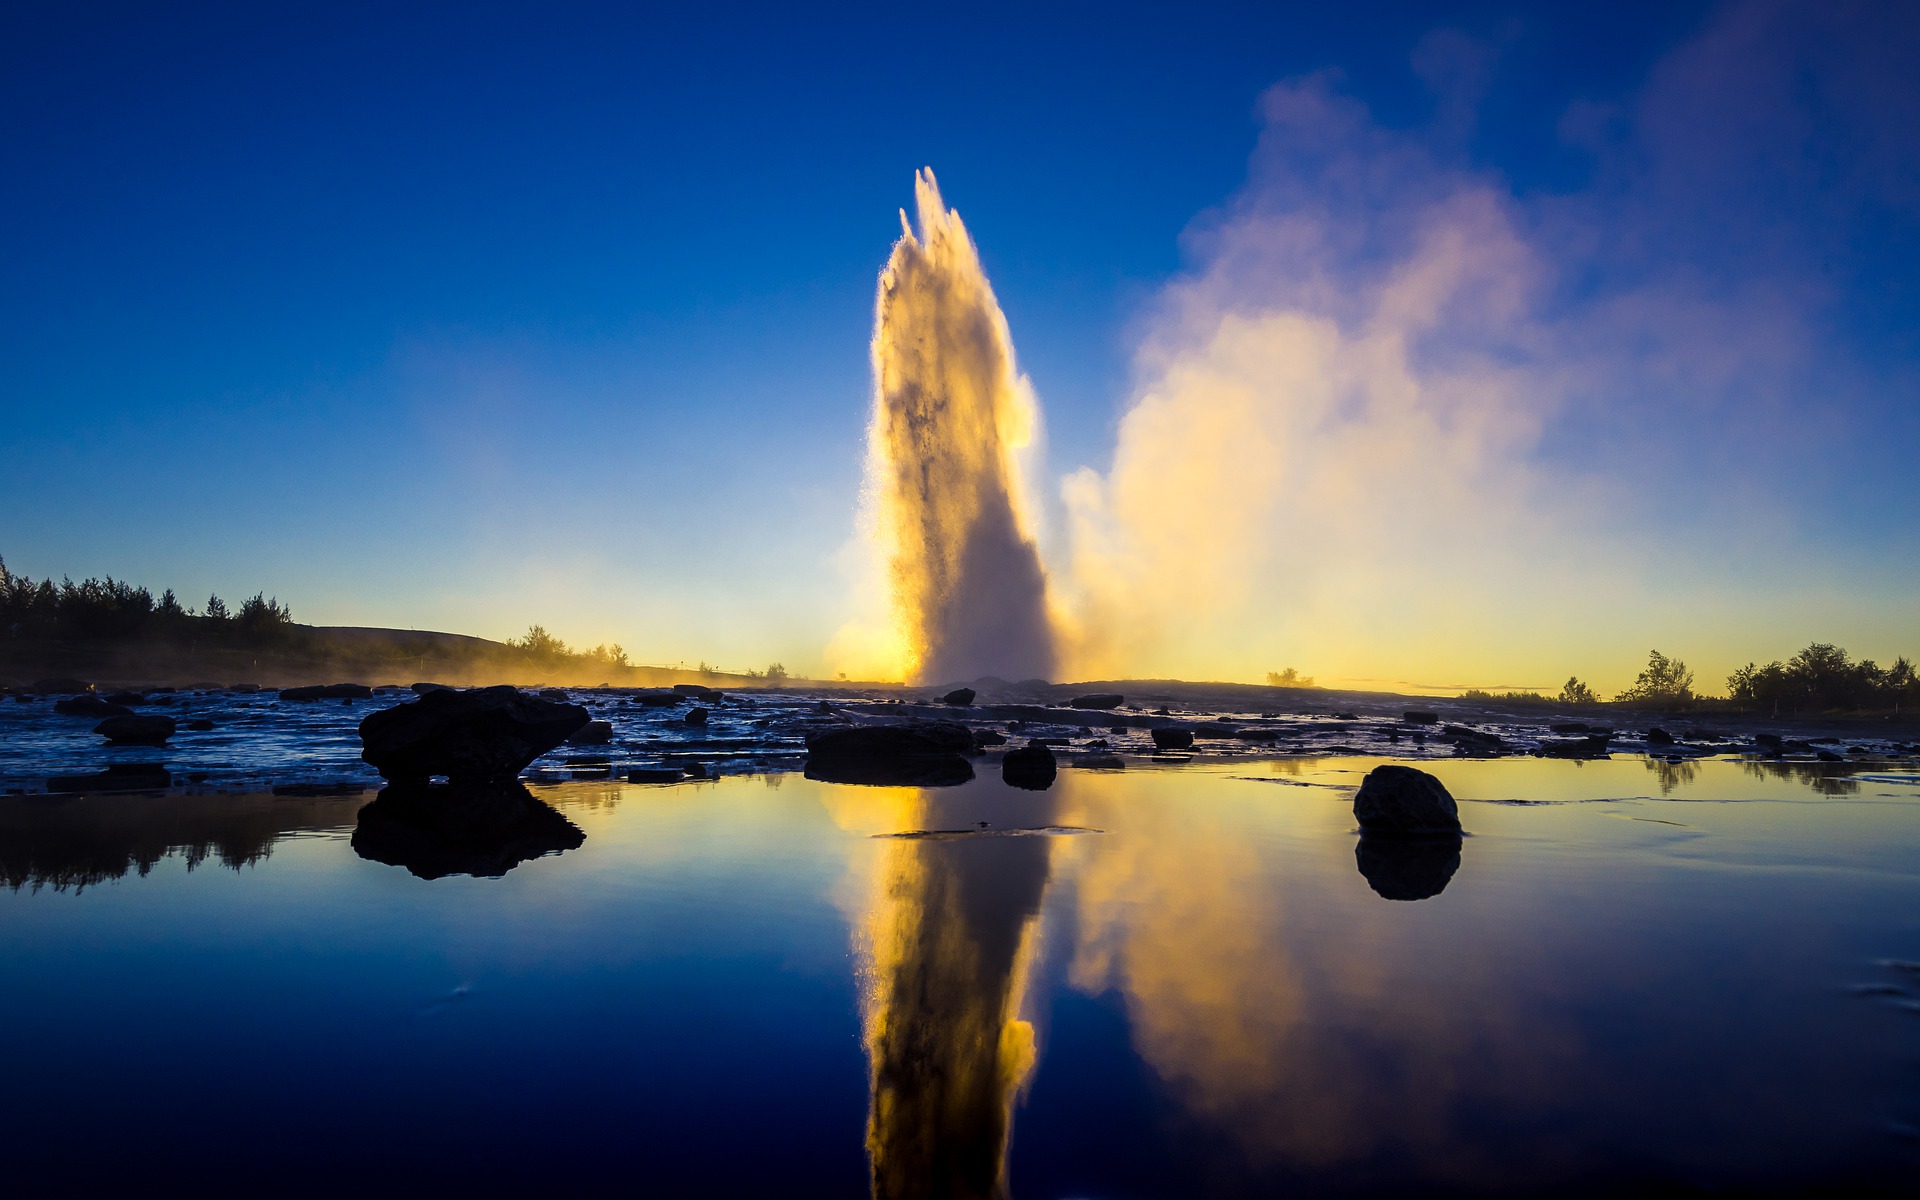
1402 801
1099 700
1030 767
958 697
920 754
1401 868
328 691
483 829
1172 739
593 733
477 736
90 706
136 731
120 777
1416 717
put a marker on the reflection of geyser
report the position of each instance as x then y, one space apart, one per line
952 930
950 410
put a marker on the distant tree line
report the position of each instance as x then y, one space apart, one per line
1821 678
110 610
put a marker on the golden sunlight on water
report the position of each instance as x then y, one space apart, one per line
944 506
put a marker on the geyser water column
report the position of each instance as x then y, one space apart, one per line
967 590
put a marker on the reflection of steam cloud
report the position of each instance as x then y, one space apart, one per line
949 411
951 935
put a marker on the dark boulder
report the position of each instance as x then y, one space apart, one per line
483 829
557 695
1657 736
659 699
136 731
1417 717
200 725
421 689
958 697
1030 767
989 737
127 698
328 691
593 733
919 754
478 736
697 691
1403 801
1172 739
696 716
655 775
1099 700
90 706
1586 747
1400 868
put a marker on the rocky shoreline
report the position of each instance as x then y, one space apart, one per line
305 741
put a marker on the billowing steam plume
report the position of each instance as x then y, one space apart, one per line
968 593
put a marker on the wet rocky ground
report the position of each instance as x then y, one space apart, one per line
292 742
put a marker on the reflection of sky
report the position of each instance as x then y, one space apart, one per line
575 312
1208 990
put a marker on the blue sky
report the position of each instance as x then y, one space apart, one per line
470 318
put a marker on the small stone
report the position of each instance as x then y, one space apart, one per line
696 716
1172 739
958 697
1031 767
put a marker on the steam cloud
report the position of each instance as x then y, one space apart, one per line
1406 422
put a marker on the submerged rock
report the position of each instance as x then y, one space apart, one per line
918 754
1030 767
478 736
328 691
136 731
1402 801
1399 868
958 697
483 829
1099 700
1172 739
120 777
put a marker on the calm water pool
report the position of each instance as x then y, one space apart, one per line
1639 974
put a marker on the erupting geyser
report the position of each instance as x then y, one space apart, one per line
968 592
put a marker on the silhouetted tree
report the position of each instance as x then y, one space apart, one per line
1666 681
1576 692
